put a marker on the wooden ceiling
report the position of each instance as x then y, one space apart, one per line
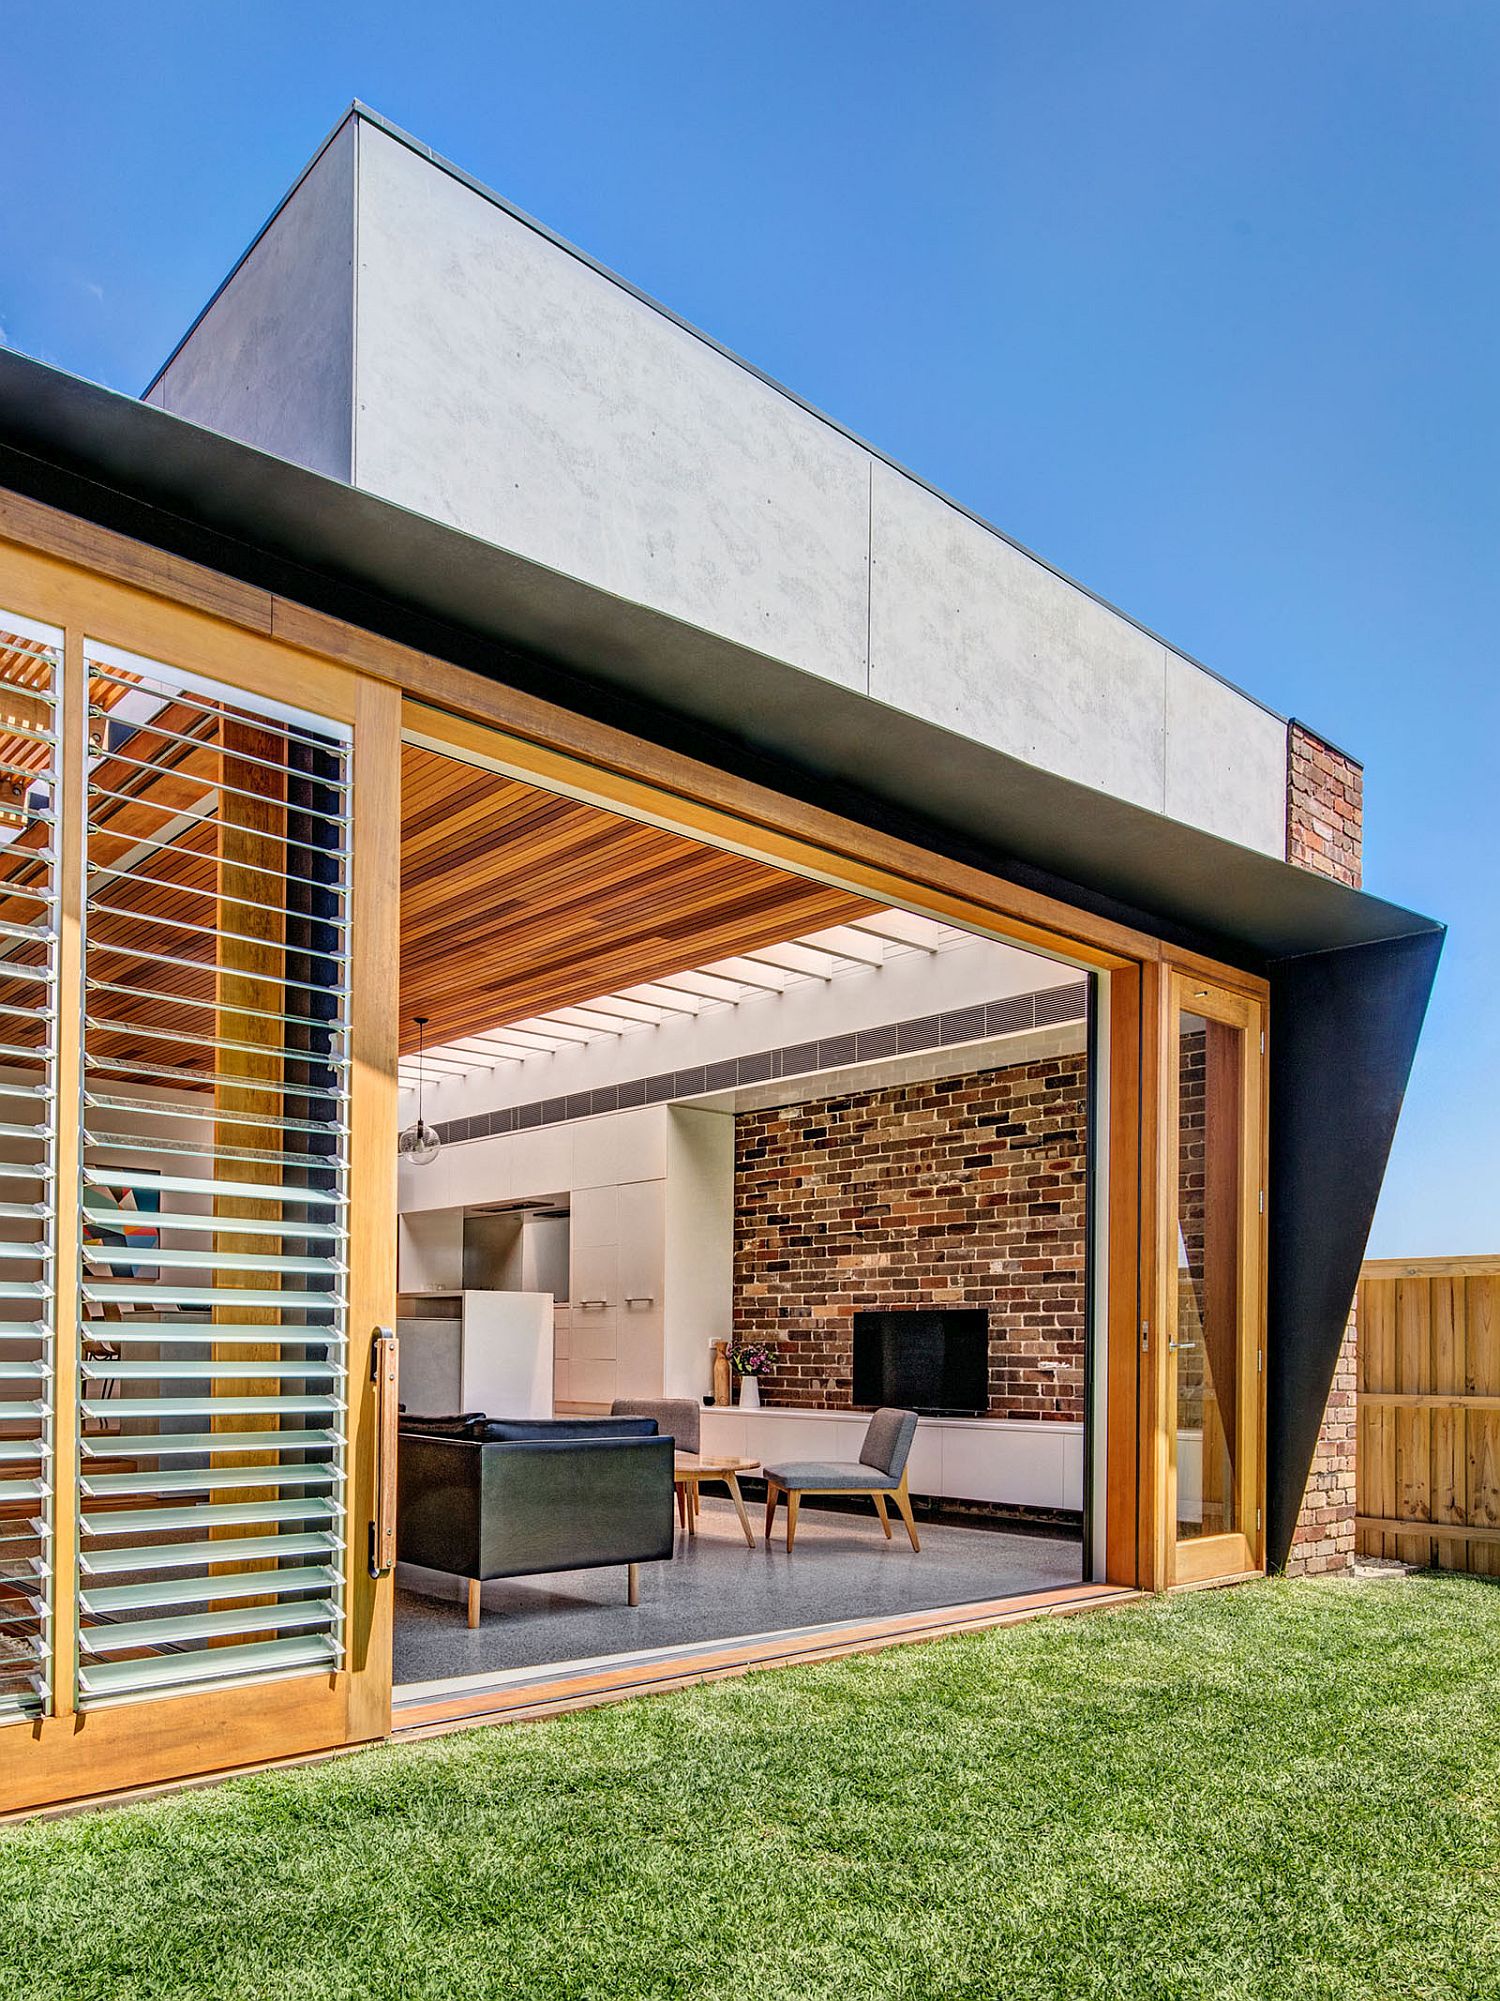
515 901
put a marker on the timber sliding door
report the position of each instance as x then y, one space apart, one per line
195 1191
215 1187
1213 1263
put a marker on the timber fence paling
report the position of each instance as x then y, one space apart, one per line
1428 1482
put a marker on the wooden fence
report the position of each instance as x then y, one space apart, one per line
1429 1412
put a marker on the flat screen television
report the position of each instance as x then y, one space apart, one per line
929 1359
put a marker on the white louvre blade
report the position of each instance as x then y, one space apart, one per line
214 1205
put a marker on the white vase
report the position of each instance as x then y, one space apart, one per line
749 1393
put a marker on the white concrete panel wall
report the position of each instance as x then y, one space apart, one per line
513 391
1226 760
502 384
272 360
506 386
968 632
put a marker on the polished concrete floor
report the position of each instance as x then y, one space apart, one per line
715 1589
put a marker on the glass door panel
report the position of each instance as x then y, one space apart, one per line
1209 1056
1213 1281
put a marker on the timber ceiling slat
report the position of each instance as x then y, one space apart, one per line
515 902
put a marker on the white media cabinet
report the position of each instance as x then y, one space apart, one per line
1013 1461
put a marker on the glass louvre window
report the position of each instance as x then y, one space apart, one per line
30 669
214 1186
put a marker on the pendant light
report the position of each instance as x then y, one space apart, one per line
419 1144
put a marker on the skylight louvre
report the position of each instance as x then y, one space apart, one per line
823 955
794 958
586 1017
641 1013
845 942
699 978
662 994
559 1031
466 1059
515 1052
902 927
746 975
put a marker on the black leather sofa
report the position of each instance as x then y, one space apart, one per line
485 1497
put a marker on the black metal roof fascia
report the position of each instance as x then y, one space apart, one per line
251 515
1345 1026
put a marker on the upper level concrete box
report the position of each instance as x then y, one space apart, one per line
402 328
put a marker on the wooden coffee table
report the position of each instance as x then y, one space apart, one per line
691 1469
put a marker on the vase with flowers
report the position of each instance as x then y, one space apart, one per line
750 1362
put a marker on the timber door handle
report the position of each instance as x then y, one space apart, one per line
385 1374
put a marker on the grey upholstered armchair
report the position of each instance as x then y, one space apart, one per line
676 1417
881 1471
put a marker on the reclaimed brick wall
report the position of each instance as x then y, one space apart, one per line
1325 808
1323 1539
956 1191
1325 833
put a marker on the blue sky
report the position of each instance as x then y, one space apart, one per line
1196 299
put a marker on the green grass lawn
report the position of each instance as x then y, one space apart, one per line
1288 1790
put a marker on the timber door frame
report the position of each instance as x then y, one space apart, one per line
1131 1551
1240 1552
72 1751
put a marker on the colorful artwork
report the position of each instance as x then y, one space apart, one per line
119 1219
